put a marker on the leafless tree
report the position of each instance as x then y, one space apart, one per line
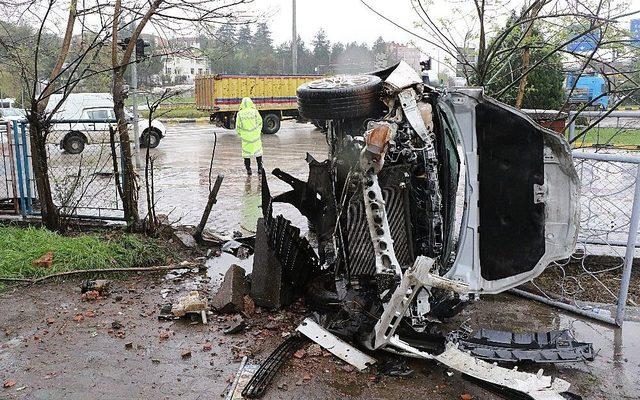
26 56
177 16
491 41
90 27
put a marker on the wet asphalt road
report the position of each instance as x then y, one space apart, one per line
182 172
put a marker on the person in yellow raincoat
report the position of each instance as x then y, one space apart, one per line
249 127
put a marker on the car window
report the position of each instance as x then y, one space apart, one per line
98 114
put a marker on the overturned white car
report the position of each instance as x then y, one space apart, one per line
427 199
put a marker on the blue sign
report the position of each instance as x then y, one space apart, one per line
584 42
634 29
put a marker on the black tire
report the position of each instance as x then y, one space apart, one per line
340 97
270 124
320 296
229 122
150 138
320 124
73 143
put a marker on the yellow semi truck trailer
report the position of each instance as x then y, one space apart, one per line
273 95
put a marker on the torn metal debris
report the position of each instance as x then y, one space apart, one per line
336 346
538 347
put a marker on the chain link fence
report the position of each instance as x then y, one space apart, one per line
80 167
598 280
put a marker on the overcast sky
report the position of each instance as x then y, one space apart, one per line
342 20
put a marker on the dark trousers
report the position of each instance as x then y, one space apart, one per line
247 163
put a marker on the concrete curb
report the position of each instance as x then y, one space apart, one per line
184 120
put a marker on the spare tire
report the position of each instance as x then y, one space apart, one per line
340 97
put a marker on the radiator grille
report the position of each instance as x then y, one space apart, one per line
361 258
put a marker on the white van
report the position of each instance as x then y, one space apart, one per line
86 117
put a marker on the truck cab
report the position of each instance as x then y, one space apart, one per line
590 90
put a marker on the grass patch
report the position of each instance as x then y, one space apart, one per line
20 246
612 136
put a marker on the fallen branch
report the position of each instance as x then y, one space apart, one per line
21 280
100 271
213 199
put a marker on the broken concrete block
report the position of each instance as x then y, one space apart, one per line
191 303
185 238
267 289
230 296
237 325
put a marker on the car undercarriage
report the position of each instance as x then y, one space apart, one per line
427 199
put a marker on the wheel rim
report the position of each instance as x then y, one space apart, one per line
271 124
153 140
339 81
75 145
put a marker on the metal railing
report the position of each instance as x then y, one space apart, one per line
8 186
616 122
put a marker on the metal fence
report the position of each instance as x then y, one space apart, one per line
612 129
80 168
597 279
8 187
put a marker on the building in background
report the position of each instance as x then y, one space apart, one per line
410 54
184 64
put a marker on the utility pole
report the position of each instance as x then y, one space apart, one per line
294 41
134 97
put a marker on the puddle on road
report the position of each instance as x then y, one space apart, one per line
182 175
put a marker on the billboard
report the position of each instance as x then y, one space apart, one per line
583 43
634 30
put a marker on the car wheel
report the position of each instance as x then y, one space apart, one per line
320 124
229 123
341 96
270 124
150 139
73 143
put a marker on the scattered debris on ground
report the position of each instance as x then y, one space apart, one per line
45 261
99 285
192 303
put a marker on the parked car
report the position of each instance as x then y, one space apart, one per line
85 118
10 114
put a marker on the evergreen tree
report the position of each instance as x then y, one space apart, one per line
321 50
263 61
544 83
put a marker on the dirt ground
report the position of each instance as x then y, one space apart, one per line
53 353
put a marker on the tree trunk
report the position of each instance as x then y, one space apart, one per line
48 210
526 54
526 59
129 186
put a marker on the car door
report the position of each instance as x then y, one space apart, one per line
99 127
521 193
